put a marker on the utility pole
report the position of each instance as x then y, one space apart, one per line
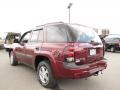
69 6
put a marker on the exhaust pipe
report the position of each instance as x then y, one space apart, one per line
97 73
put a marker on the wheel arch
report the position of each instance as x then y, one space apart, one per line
39 58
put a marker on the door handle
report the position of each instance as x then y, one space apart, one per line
37 48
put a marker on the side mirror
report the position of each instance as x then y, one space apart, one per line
16 41
25 41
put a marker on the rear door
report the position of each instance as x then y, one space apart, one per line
90 47
92 52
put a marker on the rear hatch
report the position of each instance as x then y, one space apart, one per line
88 46
89 52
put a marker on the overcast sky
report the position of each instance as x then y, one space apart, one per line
23 15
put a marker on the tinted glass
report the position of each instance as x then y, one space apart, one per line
34 37
56 33
40 36
26 37
83 34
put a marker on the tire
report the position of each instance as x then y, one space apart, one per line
12 60
112 49
45 75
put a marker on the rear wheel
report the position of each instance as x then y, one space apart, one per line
45 75
12 59
112 49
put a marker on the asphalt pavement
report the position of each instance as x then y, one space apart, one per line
22 77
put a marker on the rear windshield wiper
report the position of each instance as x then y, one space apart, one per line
94 43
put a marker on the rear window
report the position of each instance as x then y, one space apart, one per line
83 34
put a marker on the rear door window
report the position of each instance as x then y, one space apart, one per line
40 36
34 37
56 33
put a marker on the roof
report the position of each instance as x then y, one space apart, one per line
53 23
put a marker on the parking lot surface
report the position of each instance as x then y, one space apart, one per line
22 77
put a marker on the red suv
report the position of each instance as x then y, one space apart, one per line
60 50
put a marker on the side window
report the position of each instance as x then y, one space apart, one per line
56 33
34 37
40 36
26 37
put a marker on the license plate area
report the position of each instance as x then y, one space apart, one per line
92 51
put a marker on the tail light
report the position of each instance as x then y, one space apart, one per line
70 59
72 56
69 54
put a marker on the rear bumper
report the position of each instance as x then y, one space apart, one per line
80 71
